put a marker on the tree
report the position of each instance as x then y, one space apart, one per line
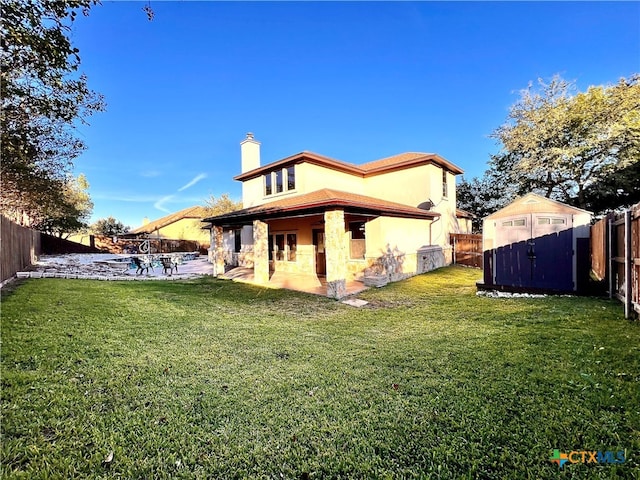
221 205
482 197
43 97
109 227
563 145
70 209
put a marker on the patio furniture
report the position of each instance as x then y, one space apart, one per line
168 264
141 265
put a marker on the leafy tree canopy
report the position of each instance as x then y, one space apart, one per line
221 205
109 226
69 208
43 96
577 148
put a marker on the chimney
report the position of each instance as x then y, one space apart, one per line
145 221
250 153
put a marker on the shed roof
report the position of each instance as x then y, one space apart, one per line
534 203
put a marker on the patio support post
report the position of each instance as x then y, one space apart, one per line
336 253
260 252
218 251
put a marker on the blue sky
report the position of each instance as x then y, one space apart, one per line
355 81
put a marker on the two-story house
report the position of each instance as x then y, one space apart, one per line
314 215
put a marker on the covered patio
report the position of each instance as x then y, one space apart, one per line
299 282
313 242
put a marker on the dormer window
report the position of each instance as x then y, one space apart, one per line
280 180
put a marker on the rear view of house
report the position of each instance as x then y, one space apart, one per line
313 215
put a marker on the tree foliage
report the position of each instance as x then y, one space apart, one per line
43 98
482 196
109 226
70 211
221 205
571 146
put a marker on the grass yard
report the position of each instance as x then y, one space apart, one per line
214 379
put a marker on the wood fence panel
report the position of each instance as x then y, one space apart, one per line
467 249
598 241
635 257
624 255
19 248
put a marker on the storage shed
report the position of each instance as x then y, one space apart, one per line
536 244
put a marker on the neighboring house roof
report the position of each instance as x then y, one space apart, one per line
464 214
377 167
319 201
196 212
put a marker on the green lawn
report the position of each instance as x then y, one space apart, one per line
214 379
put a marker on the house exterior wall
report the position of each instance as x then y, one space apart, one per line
465 225
314 177
410 187
253 192
305 253
309 177
390 250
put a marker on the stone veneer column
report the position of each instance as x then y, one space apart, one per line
260 252
217 246
336 254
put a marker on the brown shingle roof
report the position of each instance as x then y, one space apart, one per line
395 162
319 201
406 160
191 212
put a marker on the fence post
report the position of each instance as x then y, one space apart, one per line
628 261
612 272
455 240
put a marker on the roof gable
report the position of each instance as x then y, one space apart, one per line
533 203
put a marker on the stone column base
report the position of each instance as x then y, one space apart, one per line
337 289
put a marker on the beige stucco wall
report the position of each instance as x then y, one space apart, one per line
253 192
311 177
395 241
409 187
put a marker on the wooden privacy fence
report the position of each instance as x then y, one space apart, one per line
467 249
19 248
615 256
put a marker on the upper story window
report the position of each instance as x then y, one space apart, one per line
267 184
281 180
444 184
291 177
279 185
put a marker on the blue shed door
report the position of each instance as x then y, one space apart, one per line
536 251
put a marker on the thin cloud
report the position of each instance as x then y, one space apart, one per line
195 180
160 203
150 173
